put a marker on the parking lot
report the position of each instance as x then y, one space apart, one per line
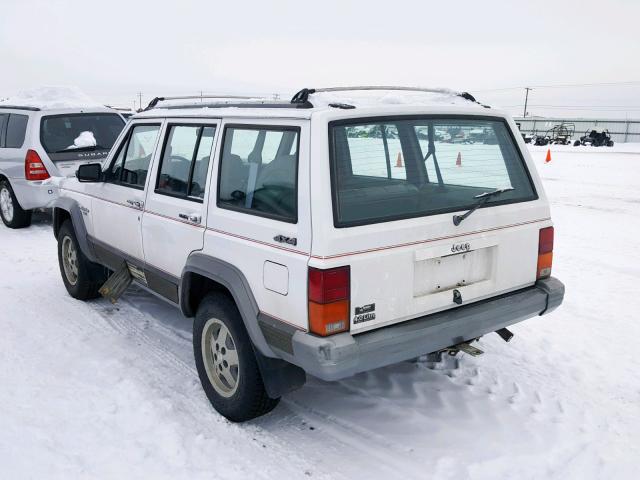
112 389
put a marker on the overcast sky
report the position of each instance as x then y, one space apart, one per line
114 49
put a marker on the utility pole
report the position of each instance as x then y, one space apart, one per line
200 96
140 100
526 100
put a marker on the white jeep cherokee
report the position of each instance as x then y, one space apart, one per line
329 235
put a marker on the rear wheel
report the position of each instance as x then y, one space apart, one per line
82 278
226 362
12 214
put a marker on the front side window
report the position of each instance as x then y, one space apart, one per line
185 161
16 130
131 165
403 168
258 171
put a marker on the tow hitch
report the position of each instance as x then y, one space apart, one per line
466 347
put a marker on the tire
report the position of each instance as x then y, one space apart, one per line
576 143
610 143
82 278
12 214
232 382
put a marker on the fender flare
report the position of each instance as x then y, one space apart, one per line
278 375
233 280
72 207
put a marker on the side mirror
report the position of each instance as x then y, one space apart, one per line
89 172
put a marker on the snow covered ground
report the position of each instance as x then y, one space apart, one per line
100 391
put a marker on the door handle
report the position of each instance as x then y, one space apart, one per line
136 203
191 217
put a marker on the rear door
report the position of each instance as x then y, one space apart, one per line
260 219
72 139
175 210
397 185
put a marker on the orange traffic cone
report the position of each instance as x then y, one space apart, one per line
548 159
399 161
459 160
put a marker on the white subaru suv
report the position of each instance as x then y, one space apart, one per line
39 142
337 233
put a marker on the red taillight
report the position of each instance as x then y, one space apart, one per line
545 252
34 169
329 292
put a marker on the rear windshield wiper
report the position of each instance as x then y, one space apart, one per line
481 200
81 149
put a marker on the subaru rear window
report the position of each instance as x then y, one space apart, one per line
393 168
80 132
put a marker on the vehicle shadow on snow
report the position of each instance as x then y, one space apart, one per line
393 409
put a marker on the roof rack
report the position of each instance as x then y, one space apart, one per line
302 97
21 107
299 100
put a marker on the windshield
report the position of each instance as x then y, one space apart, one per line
81 131
402 168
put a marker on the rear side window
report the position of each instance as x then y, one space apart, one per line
131 165
3 124
16 130
258 171
185 161
404 168
81 131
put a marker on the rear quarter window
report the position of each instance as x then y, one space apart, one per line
16 130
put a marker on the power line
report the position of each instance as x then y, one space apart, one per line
566 85
613 108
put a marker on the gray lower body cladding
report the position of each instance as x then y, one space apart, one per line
343 355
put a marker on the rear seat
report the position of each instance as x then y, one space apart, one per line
361 196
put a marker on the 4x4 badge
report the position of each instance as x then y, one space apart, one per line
288 240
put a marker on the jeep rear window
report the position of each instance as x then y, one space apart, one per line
395 168
82 131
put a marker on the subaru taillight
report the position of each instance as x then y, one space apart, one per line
34 169
545 252
329 294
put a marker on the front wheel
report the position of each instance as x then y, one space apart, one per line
82 278
226 362
12 214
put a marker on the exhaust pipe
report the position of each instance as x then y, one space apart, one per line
505 334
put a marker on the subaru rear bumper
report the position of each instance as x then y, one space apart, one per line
343 355
34 194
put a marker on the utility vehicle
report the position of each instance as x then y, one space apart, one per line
330 235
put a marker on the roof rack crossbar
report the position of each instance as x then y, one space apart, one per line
156 100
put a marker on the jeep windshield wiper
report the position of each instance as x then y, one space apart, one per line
481 200
81 149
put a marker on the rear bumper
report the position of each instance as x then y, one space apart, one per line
343 355
32 195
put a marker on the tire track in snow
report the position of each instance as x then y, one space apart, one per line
127 320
